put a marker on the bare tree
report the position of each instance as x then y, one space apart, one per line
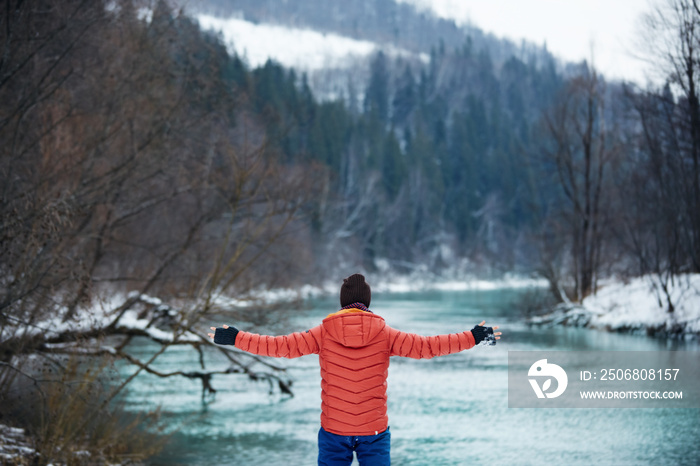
671 33
128 167
661 180
579 148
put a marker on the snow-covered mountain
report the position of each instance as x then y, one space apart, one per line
326 38
303 49
332 62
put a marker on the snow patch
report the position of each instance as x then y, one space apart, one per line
15 447
422 280
303 49
466 284
635 306
131 320
145 14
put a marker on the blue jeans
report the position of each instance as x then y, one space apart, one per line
336 450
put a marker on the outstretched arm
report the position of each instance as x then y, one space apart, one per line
293 345
416 346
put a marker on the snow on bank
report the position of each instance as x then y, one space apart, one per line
391 284
408 284
150 317
296 48
635 306
15 446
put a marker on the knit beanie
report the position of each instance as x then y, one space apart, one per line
355 290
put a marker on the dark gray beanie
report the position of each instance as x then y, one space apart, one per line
355 290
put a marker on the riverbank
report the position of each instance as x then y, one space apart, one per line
390 283
637 306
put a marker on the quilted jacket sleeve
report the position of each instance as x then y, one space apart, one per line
293 345
415 346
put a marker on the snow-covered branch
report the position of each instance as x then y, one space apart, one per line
110 333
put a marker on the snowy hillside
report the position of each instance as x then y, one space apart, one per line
324 57
303 49
326 39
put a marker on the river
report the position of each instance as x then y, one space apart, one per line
451 410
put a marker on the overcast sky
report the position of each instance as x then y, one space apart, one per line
571 28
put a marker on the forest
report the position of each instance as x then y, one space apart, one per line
139 158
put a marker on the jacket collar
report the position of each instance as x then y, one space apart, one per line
359 306
349 309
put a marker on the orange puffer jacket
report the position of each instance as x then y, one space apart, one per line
354 347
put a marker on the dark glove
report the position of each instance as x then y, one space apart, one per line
225 336
482 333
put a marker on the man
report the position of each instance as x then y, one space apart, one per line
354 346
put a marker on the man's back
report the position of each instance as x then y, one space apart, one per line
354 346
354 359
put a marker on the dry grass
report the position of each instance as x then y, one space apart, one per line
54 406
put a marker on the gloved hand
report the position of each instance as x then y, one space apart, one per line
482 333
224 335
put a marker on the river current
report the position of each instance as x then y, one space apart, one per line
451 410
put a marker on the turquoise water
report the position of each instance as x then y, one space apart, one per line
451 410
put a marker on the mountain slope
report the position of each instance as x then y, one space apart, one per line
384 22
